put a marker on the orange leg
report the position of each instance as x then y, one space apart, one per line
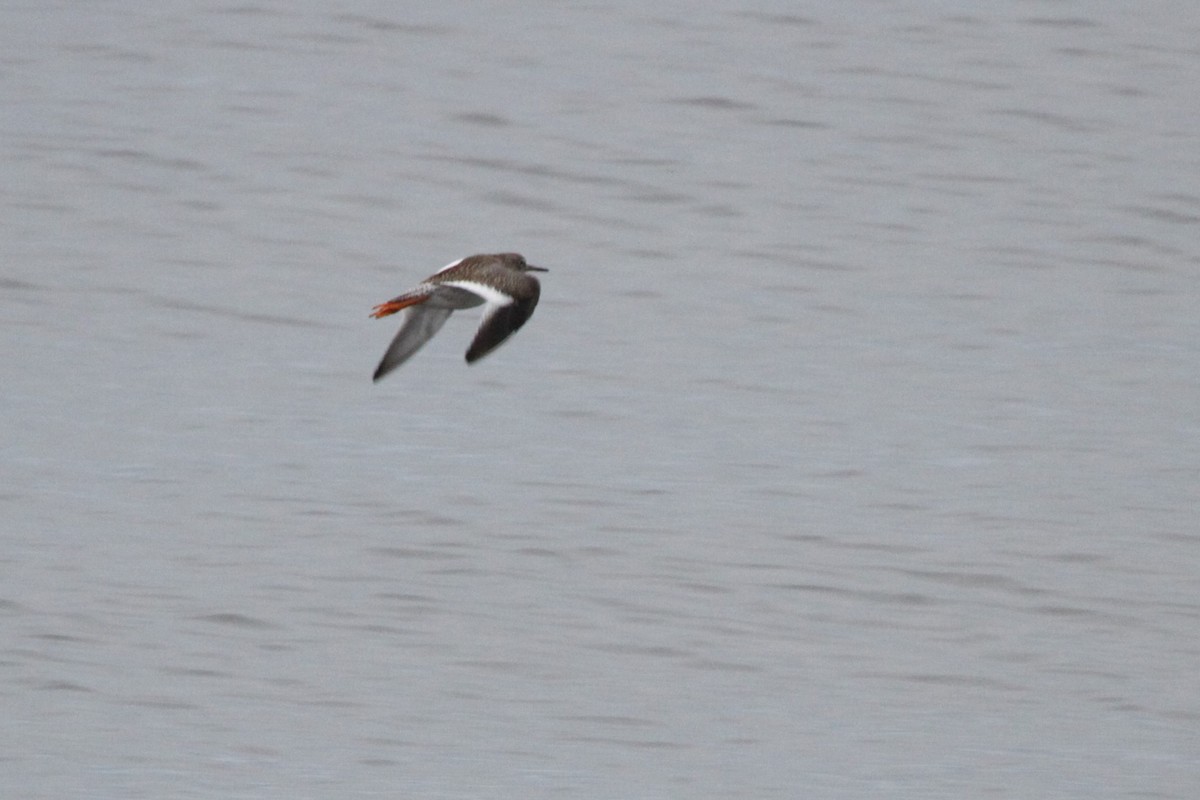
397 304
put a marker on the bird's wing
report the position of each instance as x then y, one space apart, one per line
421 322
499 322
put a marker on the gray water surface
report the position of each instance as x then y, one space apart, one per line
852 451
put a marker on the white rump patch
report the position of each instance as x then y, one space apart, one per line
451 265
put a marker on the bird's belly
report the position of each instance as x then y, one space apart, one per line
453 298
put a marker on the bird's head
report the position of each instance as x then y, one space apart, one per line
517 261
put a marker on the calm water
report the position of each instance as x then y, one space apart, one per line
852 452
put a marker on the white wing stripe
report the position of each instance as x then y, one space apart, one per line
490 296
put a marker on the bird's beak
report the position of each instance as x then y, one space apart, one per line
531 268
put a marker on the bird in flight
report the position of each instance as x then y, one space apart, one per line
499 280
